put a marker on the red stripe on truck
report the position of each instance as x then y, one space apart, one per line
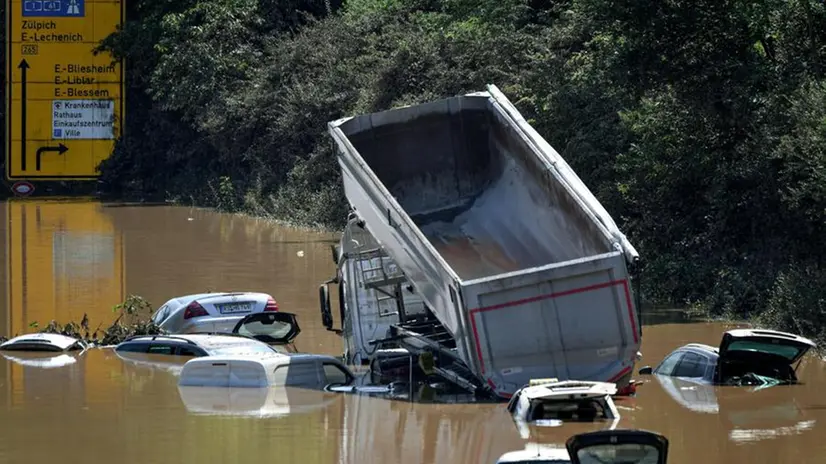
533 299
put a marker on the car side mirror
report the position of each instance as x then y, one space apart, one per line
646 370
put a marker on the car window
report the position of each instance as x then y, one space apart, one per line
161 314
668 365
133 347
691 365
297 375
160 349
188 351
334 374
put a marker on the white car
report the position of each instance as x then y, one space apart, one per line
601 447
43 350
312 371
43 342
211 312
549 402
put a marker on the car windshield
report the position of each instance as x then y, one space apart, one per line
244 348
785 351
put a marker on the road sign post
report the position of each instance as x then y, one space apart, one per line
64 104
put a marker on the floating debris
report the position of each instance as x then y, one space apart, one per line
134 319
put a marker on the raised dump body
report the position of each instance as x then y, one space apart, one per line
499 238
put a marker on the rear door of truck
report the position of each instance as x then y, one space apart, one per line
571 320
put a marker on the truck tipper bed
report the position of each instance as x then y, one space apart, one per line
525 272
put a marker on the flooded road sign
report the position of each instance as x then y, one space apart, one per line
64 105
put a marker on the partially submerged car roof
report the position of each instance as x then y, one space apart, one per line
784 345
43 342
231 371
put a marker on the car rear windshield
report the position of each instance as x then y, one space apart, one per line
242 349
586 409
785 351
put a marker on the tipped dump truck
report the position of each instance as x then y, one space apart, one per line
473 245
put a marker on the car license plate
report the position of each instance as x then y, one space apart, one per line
232 308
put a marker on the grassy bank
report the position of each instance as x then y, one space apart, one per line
699 124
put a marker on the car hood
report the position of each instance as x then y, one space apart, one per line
780 346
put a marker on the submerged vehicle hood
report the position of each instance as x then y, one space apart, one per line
780 346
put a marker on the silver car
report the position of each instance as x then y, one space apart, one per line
745 357
211 312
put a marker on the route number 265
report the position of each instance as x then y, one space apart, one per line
28 49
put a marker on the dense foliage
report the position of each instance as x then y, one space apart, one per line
701 124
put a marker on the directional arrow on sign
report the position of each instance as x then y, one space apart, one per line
60 149
24 65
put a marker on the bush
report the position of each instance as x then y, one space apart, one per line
699 124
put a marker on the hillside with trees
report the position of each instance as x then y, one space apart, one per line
700 124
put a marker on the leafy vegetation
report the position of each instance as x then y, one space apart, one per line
133 319
700 124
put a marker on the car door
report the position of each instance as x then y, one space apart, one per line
618 446
274 328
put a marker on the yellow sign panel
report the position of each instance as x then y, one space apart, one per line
64 104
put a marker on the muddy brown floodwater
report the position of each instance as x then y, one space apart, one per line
66 258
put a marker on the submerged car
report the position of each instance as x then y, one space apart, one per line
211 312
312 371
260 333
745 357
600 447
43 342
550 399
549 402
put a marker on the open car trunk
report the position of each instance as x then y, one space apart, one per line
618 447
273 328
759 357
